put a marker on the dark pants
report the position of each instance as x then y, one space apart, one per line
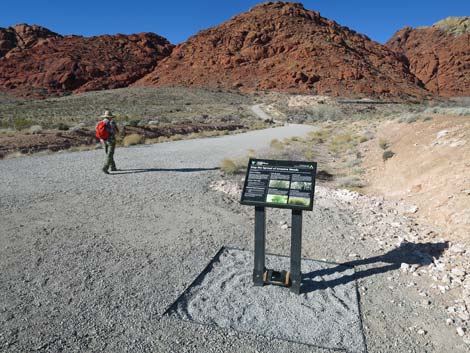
109 146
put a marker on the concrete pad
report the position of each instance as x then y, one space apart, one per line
326 314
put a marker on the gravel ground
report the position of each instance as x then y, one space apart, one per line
90 262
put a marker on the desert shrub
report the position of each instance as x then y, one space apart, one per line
21 123
353 163
77 127
343 142
324 112
35 129
387 154
319 136
383 144
408 118
61 127
132 139
231 167
133 123
349 182
276 144
458 111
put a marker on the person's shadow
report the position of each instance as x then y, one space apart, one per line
147 170
421 254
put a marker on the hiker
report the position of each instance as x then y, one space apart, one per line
106 131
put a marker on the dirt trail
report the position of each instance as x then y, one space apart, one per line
90 262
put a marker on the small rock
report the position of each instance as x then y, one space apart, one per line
449 322
442 133
404 267
421 332
463 316
458 271
457 249
412 209
284 226
460 331
353 255
443 289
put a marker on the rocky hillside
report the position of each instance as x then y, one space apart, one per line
283 46
35 61
22 36
438 55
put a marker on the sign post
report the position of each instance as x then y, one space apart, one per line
280 184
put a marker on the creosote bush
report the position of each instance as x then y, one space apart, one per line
21 123
387 154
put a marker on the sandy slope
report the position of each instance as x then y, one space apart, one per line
90 262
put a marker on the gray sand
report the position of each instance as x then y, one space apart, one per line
326 314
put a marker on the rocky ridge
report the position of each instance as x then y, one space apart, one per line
438 55
40 63
283 46
23 36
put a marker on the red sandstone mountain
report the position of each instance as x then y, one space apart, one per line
282 46
42 63
438 55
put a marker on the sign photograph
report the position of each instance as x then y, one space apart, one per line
282 184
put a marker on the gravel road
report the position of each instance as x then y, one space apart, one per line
90 262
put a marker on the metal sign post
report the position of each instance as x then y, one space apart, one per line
281 184
296 251
260 246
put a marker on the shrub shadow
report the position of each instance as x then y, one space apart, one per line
421 254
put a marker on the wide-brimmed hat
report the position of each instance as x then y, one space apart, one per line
107 114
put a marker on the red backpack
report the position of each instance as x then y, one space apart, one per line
101 131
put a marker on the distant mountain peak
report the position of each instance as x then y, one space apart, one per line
282 46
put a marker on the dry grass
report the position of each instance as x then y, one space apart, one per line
230 166
383 144
132 139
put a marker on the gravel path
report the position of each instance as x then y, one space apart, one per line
261 113
90 262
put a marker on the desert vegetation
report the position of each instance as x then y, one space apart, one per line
132 106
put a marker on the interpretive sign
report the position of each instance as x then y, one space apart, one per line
282 184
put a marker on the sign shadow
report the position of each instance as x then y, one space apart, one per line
421 254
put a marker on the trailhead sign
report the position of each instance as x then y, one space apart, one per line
282 184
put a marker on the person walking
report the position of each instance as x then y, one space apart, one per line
110 142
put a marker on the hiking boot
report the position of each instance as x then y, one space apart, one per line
105 171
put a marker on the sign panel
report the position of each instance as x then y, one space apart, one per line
282 184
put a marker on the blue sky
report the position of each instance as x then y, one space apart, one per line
177 20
